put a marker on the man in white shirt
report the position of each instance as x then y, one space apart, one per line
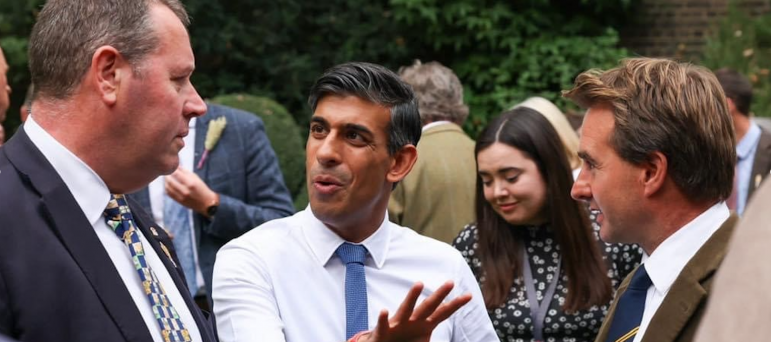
113 100
334 271
753 143
659 152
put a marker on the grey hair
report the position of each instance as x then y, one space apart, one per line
439 92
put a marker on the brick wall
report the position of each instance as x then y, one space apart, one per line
678 28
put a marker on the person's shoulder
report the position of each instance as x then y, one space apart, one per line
267 237
422 247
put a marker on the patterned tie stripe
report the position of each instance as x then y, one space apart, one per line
119 218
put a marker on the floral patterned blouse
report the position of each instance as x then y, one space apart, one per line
512 320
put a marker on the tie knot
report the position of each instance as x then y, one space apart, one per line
118 215
350 253
640 279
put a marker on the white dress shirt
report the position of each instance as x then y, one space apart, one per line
283 282
157 190
671 256
92 196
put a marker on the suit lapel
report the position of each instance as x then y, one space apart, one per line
762 163
688 292
76 233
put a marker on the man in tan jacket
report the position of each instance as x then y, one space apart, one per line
437 198
740 306
659 153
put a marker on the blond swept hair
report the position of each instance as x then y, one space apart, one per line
676 108
439 92
560 123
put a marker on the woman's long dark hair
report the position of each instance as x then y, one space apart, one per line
498 247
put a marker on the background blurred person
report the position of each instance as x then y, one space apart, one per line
434 197
544 273
753 143
560 122
5 88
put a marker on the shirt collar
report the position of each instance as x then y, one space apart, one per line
669 258
84 184
748 142
323 241
434 124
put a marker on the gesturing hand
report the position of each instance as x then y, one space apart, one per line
189 190
411 324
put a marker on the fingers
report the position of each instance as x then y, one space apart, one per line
405 309
381 329
428 306
446 310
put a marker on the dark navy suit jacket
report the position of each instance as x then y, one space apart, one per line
243 169
57 282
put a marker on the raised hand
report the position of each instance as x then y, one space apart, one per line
411 324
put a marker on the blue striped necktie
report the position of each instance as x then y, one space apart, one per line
120 220
629 311
353 257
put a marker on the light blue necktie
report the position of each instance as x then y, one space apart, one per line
177 219
629 311
353 257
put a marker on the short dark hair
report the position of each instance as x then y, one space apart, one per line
378 85
499 251
67 33
737 88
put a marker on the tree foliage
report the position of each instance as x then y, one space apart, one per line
503 51
743 42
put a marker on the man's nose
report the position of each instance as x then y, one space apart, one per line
581 190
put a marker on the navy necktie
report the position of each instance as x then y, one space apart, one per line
353 257
629 310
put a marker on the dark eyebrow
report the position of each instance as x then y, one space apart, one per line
320 120
585 156
359 128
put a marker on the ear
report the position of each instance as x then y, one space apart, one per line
401 163
731 106
108 68
654 174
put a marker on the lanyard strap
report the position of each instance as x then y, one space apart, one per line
538 312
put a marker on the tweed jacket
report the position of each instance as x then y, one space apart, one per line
739 307
678 316
436 199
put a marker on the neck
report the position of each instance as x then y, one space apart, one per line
80 126
741 125
357 232
669 219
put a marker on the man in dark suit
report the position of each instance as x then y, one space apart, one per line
658 150
753 143
237 187
113 99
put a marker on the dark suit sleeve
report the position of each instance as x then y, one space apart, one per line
267 197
